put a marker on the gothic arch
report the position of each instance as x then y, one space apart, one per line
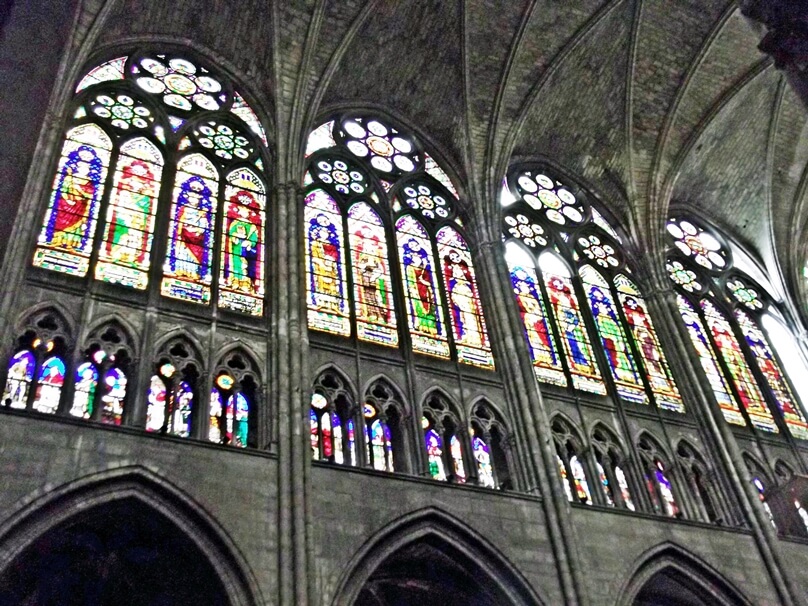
118 322
27 318
677 565
184 336
243 348
436 530
349 389
393 386
44 511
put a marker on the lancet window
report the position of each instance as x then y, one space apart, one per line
173 391
585 320
657 478
724 311
232 415
612 469
332 420
570 465
386 258
160 181
445 440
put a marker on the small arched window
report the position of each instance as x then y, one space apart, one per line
445 440
233 398
383 428
490 447
570 466
384 244
333 421
573 291
722 309
158 147
172 396
611 469
697 477
657 478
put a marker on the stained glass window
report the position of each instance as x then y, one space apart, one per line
156 411
544 353
766 361
325 265
605 485
579 477
373 292
314 430
745 385
66 240
181 408
86 383
336 437
241 281
697 244
554 200
642 329
668 504
456 451
49 385
424 307
434 453
574 337
20 376
565 482
187 270
106 72
124 256
114 396
246 113
618 354
482 455
624 490
470 334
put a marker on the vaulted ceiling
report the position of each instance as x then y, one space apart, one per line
652 103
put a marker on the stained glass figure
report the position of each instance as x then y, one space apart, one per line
426 200
564 303
544 353
156 411
468 323
579 477
325 265
351 431
124 256
622 482
181 84
550 197
114 396
639 321
456 450
66 240
49 385
759 345
709 363
373 295
669 505
424 308
379 445
697 244
434 170
740 373
20 375
215 415
624 370
345 176
86 383
314 429
482 455
327 437
386 149
106 72
241 279
434 453
237 414
605 485
181 408
336 437
243 110
565 482
187 270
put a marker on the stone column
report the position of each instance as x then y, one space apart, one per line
530 423
700 402
786 38
289 372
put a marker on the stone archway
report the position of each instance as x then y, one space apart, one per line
430 558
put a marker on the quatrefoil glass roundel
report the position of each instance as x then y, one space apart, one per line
683 276
181 83
521 227
344 176
388 151
544 194
598 251
695 243
122 111
744 294
424 198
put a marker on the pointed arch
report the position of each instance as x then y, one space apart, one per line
334 417
686 570
615 478
234 398
47 510
433 528
445 436
656 461
492 443
569 447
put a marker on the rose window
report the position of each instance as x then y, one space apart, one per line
424 198
697 244
744 294
600 252
682 276
544 194
522 228
225 141
181 84
122 111
345 177
387 150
